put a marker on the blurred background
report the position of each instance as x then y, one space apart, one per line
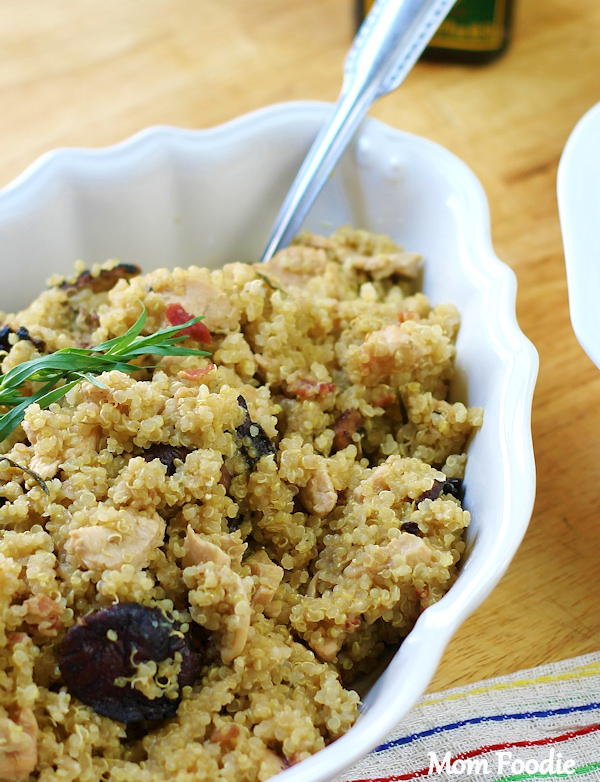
90 73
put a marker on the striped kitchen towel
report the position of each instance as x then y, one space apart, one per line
541 723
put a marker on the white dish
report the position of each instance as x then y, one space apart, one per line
174 197
578 190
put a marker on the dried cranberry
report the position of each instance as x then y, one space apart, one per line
109 644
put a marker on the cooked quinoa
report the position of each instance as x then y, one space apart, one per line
289 503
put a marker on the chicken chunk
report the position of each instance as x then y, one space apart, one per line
44 613
382 265
319 496
295 266
45 462
198 549
268 577
18 744
406 548
203 298
218 594
401 352
119 537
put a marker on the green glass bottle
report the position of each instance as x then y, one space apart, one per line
475 31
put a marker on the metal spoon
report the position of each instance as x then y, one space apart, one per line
386 47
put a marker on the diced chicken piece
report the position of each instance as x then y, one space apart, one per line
382 265
405 315
18 745
271 764
406 548
78 443
45 465
43 612
327 647
202 298
42 464
379 354
408 478
127 538
295 265
319 496
233 546
226 736
234 607
379 480
269 576
389 355
234 641
412 549
198 549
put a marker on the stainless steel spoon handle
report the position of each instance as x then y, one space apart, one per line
386 47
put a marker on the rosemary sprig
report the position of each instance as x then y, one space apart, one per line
62 370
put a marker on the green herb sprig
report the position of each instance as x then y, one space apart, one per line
60 371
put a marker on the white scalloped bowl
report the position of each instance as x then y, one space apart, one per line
171 197
578 193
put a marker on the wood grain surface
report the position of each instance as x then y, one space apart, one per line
92 72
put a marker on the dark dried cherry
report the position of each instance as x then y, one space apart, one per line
108 644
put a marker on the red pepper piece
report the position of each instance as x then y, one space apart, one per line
176 315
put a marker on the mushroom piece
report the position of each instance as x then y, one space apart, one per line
102 282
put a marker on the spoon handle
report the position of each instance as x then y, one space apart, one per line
386 47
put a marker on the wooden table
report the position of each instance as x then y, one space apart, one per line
92 72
